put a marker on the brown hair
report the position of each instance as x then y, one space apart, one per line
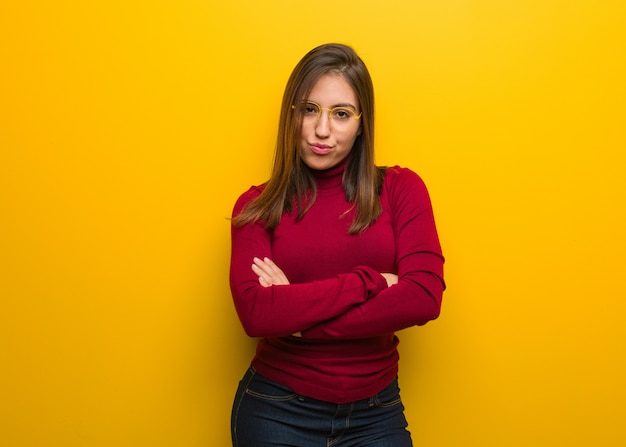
291 182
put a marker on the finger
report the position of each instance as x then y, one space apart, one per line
269 268
270 272
263 282
264 279
257 270
265 276
262 266
276 271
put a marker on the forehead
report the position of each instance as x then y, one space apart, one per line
332 90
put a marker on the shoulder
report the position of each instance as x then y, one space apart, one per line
248 196
397 177
404 190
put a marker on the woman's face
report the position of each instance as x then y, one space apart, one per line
327 142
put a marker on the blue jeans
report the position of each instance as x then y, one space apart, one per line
266 414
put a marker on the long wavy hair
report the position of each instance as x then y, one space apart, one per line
291 184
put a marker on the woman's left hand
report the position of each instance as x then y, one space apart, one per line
269 273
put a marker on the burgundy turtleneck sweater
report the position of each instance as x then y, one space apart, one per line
337 297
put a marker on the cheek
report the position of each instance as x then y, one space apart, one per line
304 134
349 140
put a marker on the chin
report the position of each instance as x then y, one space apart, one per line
320 165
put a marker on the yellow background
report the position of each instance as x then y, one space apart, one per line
128 129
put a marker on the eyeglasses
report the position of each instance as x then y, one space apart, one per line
341 117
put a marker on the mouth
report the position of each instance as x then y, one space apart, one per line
320 149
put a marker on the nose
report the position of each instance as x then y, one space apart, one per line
322 127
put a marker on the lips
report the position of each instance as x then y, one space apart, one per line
320 149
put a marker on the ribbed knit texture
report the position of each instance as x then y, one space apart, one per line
337 297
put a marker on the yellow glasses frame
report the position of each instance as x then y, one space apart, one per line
330 112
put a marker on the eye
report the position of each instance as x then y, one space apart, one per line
309 109
342 114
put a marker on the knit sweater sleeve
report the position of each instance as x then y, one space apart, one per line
416 298
283 310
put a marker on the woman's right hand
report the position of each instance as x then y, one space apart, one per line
391 278
269 273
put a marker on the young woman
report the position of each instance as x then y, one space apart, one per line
329 258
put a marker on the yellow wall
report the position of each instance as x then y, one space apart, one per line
127 130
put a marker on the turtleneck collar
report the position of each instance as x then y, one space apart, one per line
331 178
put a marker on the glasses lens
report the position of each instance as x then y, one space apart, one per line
342 117
309 112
